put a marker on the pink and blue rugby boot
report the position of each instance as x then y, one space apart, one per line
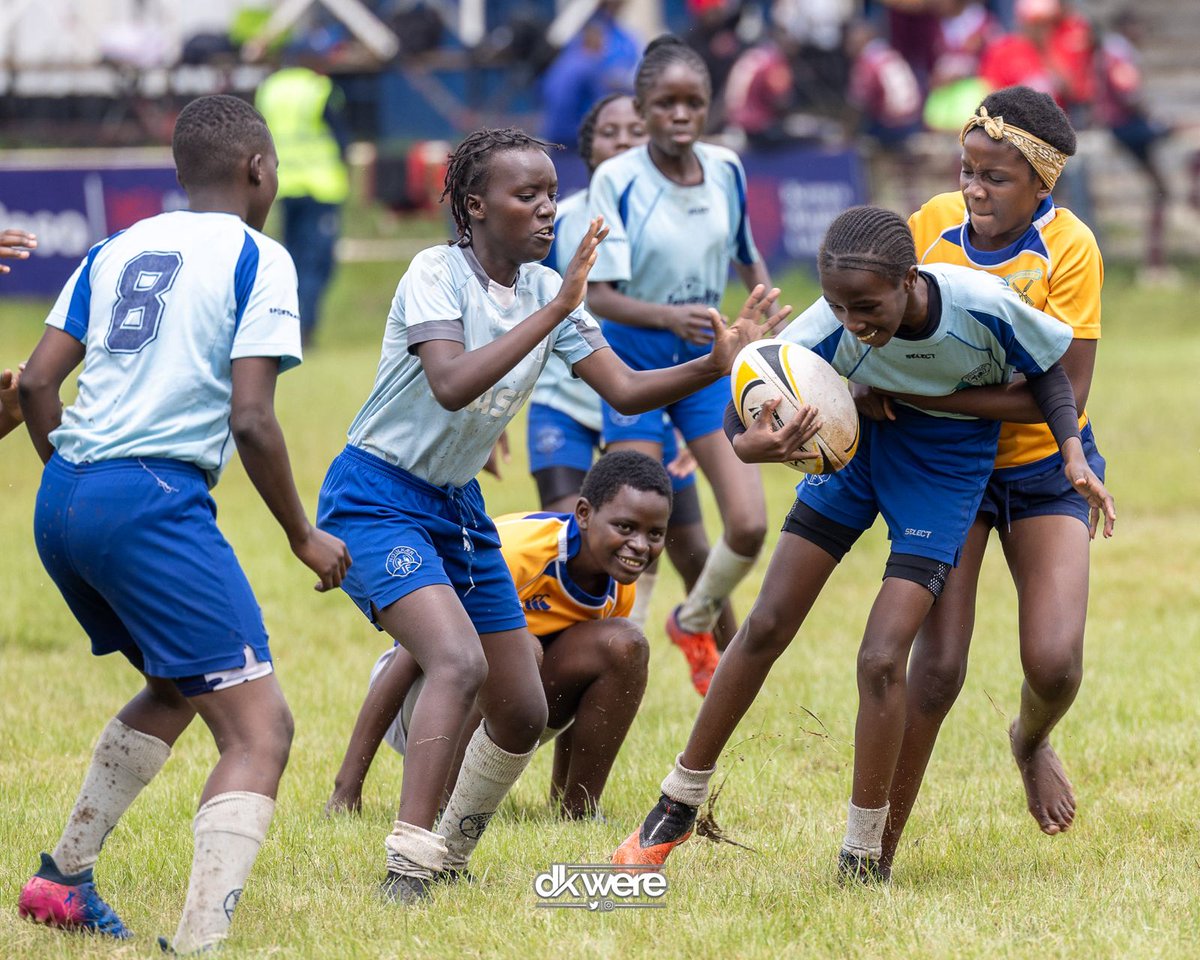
69 902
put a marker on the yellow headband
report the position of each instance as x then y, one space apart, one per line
1047 161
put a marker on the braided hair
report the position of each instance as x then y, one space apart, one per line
467 171
587 127
868 238
661 53
1036 112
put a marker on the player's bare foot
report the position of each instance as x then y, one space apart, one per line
1047 789
343 802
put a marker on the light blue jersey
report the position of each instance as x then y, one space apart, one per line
446 295
668 243
163 309
556 387
984 333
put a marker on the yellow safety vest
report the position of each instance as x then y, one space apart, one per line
293 101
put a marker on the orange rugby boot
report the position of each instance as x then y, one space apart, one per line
700 648
668 825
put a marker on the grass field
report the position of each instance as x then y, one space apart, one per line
974 878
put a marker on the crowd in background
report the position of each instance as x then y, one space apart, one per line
816 69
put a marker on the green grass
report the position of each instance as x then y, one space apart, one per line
974 879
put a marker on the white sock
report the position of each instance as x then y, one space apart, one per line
414 851
641 599
864 831
723 570
686 786
124 761
487 774
229 829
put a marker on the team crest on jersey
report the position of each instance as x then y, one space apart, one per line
402 561
621 420
1022 281
977 377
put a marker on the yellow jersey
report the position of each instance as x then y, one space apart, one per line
1055 266
536 547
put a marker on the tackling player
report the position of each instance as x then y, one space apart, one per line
575 575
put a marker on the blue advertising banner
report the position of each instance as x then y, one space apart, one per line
73 200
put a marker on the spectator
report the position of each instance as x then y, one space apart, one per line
761 91
955 88
714 35
883 88
913 26
815 29
600 60
303 108
1121 107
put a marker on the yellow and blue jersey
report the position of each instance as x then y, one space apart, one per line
536 547
1054 266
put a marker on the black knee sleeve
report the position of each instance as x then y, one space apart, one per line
834 538
930 574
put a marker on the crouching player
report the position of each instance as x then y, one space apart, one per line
575 575
883 322
182 323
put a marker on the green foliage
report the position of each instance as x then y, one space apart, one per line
973 879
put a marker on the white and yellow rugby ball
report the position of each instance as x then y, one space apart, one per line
770 369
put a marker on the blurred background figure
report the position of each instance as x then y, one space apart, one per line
304 110
955 87
715 34
600 60
761 90
886 99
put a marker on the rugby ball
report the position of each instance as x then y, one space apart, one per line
770 369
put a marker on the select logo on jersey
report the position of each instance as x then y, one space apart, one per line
920 356
922 534
1021 282
539 602
402 561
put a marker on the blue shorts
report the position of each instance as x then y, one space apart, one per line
405 534
134 548
696 415
1038 489
555 439
925 474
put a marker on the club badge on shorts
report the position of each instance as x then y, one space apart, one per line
402 561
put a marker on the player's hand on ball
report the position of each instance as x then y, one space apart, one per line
758 318
1092 489
325 555
761 444
574 284
871 404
